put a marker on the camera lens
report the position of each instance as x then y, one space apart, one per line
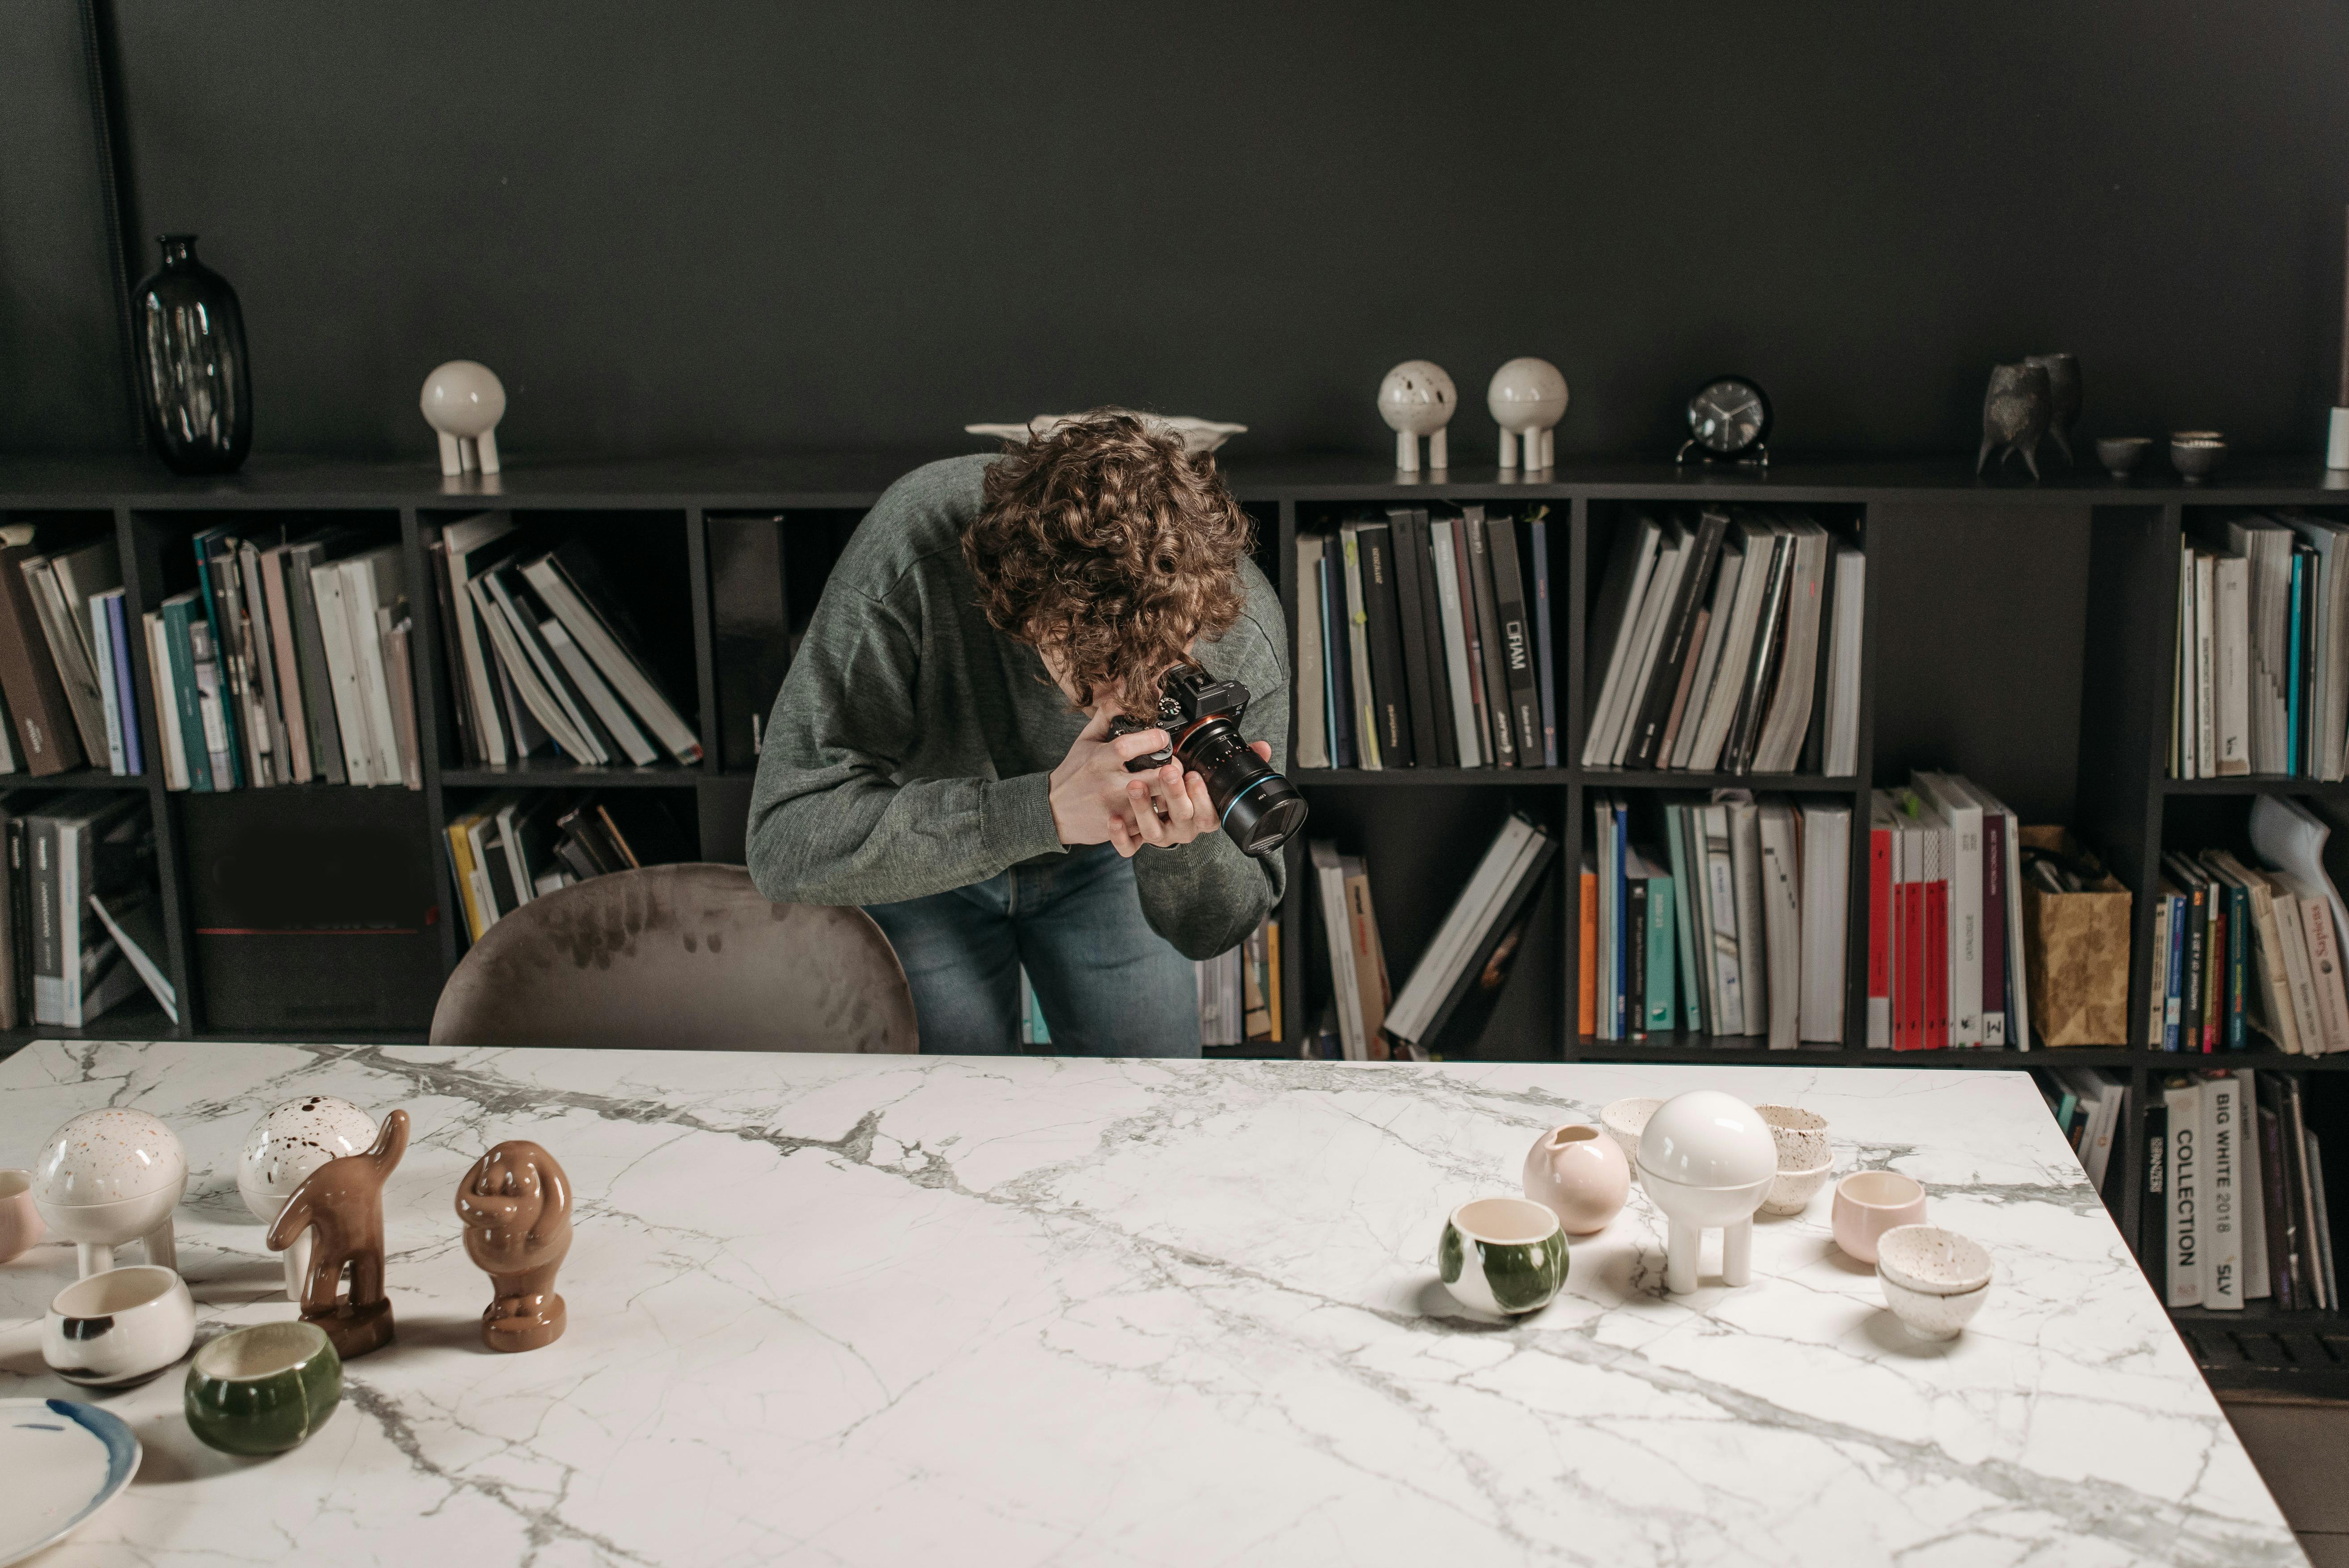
1260 809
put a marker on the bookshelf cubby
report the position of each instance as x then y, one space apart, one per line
2021 634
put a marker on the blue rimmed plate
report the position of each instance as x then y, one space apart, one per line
61 1462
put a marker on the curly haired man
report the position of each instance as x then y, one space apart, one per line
939 751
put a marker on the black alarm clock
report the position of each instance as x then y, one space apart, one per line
1729 422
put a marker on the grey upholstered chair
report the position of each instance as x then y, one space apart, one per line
689 957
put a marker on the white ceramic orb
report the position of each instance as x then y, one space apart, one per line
293 1140
108 1156
1708 1138
1526 395
464 398
1417 399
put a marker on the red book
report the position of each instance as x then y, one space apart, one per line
1879 934
1937 964
1912 964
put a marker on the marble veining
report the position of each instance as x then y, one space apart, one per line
899 1309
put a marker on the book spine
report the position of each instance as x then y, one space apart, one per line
1336 657
2222 1236
103 657
179 647
1458 666
1677 641
294 714
1516 639
2214 969
1545 670
1312 713
2181 1231
2173 994
1658 993
126 682
1400 548
45 732
326 759
1585 999
1635 956
1684 901
2274 1202
1364 711
2156 1192
48 942
1430 616
1391 685
1993 928
1880 936
2239 969
217 726
1471 645
1498 722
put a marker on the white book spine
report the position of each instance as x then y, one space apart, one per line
341 672
1456 645
166 701
2325 968
2222 1237
2180 1230
1312 702
1721 899
1645 543
1840 753
102 652
2230 575
1368 752
2206 698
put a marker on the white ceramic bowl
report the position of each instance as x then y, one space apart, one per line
1707 1138
119 1327
1801 1136
1503 1255
1934 1280
1791 1190
1706 1208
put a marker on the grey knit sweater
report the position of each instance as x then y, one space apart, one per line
911 745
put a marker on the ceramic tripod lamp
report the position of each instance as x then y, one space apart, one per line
110 1177
1707 1160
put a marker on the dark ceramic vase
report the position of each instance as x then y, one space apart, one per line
2015 413
196 390
2063 387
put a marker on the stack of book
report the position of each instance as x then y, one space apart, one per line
1945 918
2243 948
65 659
2238 1177
288 662
1458 979
521 845
1736 928
1731 644
1426 642
2090 1108
2262 674
80 921
542 655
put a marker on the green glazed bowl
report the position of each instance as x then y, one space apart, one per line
263 1390
1505 1255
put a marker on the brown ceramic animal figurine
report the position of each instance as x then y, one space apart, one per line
516 1205
344 1200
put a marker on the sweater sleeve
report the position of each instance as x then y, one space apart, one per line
828 822
1206 896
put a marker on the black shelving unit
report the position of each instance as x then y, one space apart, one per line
2022 635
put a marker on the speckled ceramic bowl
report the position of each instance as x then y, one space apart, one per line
2122 454
1801 1136
1934 1280
1504 1255
1624 1120
1791 1190
2195 453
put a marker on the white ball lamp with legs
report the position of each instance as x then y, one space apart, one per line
463 400
1707 1160
1527 398
1417 399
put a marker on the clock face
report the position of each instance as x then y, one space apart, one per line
1729 416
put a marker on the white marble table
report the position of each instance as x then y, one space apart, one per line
925 1310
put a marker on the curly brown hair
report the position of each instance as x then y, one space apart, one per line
1109 543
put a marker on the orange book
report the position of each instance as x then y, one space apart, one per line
1587 990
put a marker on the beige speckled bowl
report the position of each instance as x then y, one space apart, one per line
1934 1280
1801 1136
1625 1119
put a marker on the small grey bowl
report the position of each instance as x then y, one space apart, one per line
2196 452
2121 454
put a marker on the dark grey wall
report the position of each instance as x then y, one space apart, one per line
690 227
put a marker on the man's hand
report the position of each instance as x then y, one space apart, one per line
1095 800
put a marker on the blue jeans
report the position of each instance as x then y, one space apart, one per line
1108 984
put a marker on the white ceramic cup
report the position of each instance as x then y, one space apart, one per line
1934 1280
1869 1203
20 1223
119 1327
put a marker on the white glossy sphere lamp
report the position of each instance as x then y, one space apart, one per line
109 1176
1417 399
285 1145
464 400
1528 396
1707 1160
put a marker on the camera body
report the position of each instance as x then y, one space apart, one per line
1201 716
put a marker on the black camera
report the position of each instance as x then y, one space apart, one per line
1201 715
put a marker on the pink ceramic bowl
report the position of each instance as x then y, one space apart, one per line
1579 1174
20 1223
1869 1203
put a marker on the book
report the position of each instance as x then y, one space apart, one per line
468 545
1546 659
1648 632
1413 540
1706 664
2231 672
1758 548
61 585
135 924
1368 956
1622 590
1390 685
2219 1226
1370 751
2250 1186
1397 548
1675 641
1686 889
1963 815
46 733
1455 643
1329 881
1787 718
1779 876
327 759
1423 997
1523 709
1840 744
101 644
1313 700
1585 951
2182 1261
1489 682
1825 854
371 582
1336 655
1880 830
160 684
1735 1010
339 640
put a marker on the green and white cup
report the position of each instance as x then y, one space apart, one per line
1504 1255
265 1389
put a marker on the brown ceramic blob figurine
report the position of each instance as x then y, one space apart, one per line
344 1200
516 1205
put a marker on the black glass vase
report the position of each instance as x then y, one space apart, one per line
196 389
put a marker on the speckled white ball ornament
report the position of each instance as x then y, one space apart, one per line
464 400
285 1145
1417 399
110 1177
1526 398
